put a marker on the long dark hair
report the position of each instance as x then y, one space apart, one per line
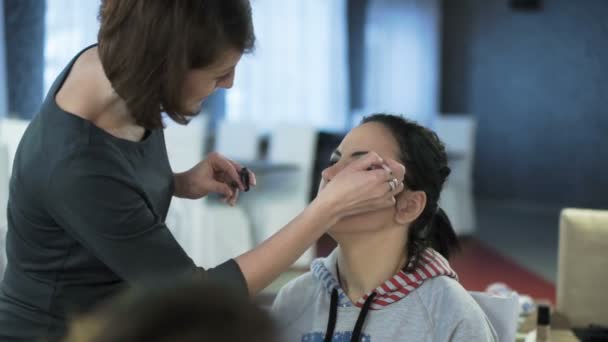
426 162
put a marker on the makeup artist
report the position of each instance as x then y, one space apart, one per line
92 184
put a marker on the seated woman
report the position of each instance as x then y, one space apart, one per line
389 278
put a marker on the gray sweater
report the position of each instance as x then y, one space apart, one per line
438 308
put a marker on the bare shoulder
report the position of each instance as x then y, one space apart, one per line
81 93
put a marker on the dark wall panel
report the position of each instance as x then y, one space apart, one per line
537 82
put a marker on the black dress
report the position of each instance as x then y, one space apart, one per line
86 217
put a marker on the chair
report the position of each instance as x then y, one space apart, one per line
210 233
458 134
503 313
5 172
283 195
238 141
582 267
4 186
11 132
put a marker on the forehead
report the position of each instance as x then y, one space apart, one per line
224 63
228 59
371 136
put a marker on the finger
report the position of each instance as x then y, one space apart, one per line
370 160
252 179
381 175
397 168
227 166
235 164
221 188
384 202
235 198
399 189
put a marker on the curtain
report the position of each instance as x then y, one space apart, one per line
71 25
3 84
24 39
402 58
299 70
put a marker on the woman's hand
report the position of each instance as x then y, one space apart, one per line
216 174
361 187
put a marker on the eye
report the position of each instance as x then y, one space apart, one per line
332 162
225 76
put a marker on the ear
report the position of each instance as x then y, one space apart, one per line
409 206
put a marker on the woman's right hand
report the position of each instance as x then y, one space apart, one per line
361 187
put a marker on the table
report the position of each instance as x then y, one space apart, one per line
560 331
262 166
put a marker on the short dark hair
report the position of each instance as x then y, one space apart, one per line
147 47
187 312
426 162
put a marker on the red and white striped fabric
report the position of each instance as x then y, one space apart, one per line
431 265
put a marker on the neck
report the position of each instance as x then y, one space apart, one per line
112 109
104 107
367 260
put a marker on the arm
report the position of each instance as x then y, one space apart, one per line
283 248
182 186
112 218
354 191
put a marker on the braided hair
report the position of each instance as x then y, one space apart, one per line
425 160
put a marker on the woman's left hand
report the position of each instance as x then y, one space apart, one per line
216 174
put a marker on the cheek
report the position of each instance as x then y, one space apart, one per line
203 91
369 222
195 91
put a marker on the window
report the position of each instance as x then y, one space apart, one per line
71 25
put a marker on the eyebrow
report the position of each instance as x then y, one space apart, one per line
354 154
227 70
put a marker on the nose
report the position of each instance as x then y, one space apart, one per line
228 82
330 172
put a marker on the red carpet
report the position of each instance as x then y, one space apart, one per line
478 266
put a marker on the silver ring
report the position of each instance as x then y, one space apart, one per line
393 184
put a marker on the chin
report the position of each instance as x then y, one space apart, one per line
364 223
195 110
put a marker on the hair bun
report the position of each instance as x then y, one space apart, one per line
444 172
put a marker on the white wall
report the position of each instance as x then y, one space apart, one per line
3 90
402 58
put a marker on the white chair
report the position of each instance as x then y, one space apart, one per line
458 134
582 267
208 232
4 186
5 172
11 132
283 195
237 140
502 312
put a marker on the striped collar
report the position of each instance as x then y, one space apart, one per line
431 265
